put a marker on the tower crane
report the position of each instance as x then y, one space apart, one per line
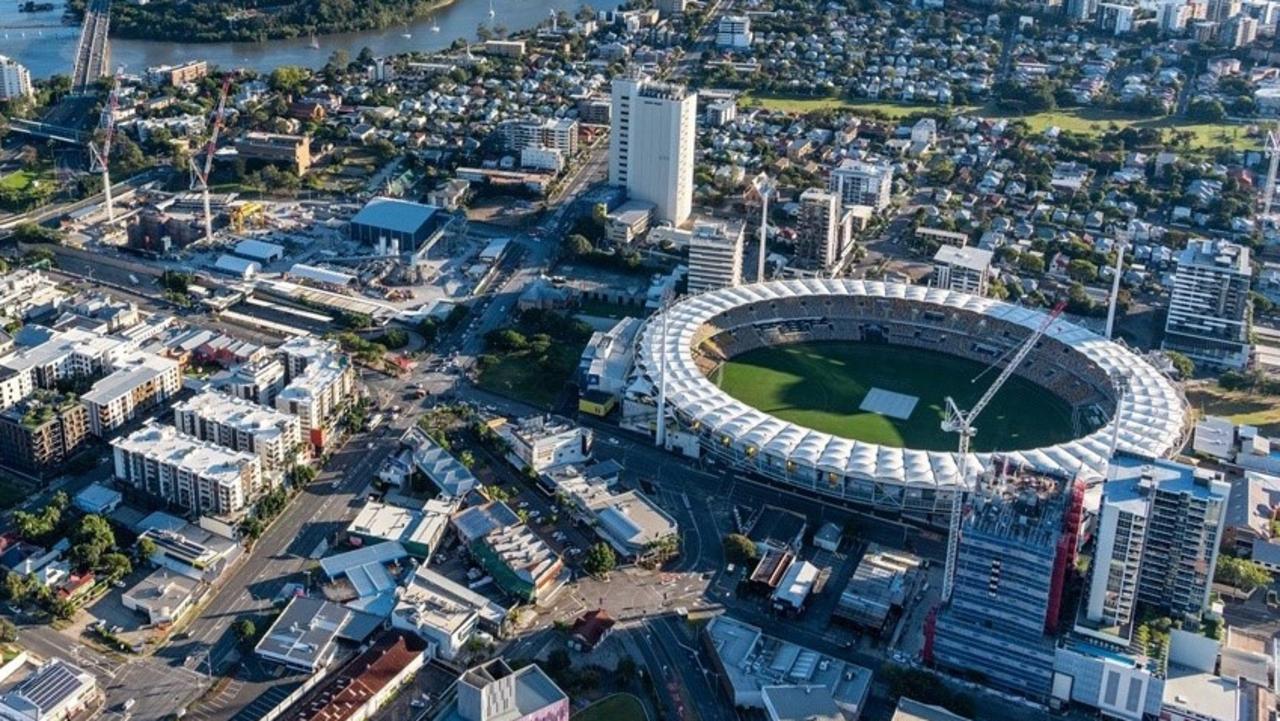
200 172
100 155
961 423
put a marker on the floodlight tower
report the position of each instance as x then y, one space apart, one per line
200 172
961 423
1115 288
100 155
1273 152
762 186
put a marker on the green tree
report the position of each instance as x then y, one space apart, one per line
245 630
600 560
8 631
578 244
1241 573
146 549
1082 271
1185 366
116 566
288 78
625 672
739 549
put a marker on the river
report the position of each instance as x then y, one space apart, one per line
46 46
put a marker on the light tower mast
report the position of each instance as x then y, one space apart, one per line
100 155
961 423
1273 152
200 172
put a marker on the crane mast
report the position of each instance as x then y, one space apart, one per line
961 423
200 172
100 155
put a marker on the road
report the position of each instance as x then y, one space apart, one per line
93 50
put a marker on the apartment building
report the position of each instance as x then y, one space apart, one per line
318 397
274 437
859 182
140 381
15 80
1159 530
259 381
554 133
965 269
198 476
715 255
40 433
824 231
1209 308
651 145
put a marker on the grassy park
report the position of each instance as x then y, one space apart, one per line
1240 407
1088 121
822 385
618 707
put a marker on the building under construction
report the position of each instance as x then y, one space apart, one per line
1017 546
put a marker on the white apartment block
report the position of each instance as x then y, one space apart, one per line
274 437
1159 529
302 351
139 381
1208 317
14 386
734 31
715 256
196 475
71 353
318 396
966 269
543 442
556 133
858 182
259 381
653 128
23 290
15 81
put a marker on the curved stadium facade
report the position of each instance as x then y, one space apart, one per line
1135 406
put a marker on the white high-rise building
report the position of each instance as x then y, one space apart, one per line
819 236
15 81
734 31
651 145
1209 308
715 256
1159 529
858 182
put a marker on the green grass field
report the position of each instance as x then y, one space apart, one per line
1240 407
618 707
821 385
1086 121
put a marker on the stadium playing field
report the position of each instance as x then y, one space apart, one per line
822 385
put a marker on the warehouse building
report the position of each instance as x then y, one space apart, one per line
394 225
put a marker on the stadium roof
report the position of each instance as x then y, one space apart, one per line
1151 416
402 216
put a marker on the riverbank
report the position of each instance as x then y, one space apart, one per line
228 21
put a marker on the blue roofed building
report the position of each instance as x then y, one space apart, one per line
395 226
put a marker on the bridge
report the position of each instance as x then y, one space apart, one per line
93 52
47 131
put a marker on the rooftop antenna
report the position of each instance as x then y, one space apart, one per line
961 423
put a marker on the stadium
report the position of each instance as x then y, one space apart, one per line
836 386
